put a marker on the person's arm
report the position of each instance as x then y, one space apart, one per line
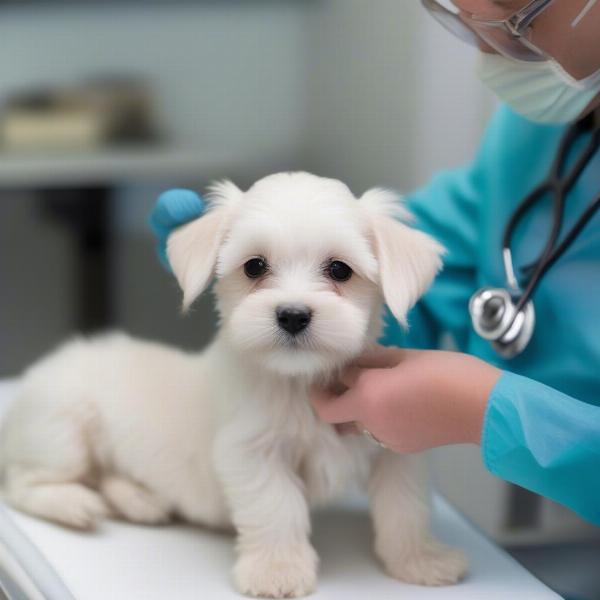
530 434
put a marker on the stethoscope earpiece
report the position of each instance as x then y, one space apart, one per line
495 318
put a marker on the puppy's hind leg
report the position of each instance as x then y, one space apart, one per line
46 458
68 503
134 502
403 542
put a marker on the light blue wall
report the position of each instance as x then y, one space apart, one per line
229 72
393 96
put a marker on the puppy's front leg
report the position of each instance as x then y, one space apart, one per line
270 513
400 507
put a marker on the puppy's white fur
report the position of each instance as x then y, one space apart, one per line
228 437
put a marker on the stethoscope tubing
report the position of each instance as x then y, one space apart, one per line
559 185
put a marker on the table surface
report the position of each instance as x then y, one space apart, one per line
123 561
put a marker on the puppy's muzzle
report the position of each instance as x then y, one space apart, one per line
293 318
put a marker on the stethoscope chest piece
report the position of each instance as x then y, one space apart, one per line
495 318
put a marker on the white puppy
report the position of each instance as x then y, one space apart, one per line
118 426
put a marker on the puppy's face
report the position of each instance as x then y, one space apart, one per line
302 268
297 279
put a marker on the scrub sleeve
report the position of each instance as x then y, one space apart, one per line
545 441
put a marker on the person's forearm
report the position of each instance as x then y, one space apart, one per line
478 385
454 407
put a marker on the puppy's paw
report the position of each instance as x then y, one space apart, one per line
76 506
284 574
133 502
431 564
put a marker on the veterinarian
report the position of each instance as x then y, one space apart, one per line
526 382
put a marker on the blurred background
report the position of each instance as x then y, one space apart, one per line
103 105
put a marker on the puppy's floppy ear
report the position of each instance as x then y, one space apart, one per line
192 249
408 259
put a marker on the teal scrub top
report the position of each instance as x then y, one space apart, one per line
542 424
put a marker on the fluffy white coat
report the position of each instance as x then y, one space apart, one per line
116 426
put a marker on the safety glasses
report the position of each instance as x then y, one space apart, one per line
509 37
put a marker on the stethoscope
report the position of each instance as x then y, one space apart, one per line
506 317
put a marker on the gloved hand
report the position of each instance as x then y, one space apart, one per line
173 209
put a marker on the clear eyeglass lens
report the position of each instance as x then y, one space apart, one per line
475 32
450 20
448 5
507 44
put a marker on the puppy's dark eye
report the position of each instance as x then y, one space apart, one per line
255 267
339 271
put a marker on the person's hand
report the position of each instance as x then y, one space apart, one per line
411 400
173 209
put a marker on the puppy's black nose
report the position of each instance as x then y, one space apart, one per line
293 318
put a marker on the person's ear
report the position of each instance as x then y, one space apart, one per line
192 250
408 259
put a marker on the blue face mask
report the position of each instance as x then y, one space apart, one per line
540 91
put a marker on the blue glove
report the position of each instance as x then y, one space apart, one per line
173 209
